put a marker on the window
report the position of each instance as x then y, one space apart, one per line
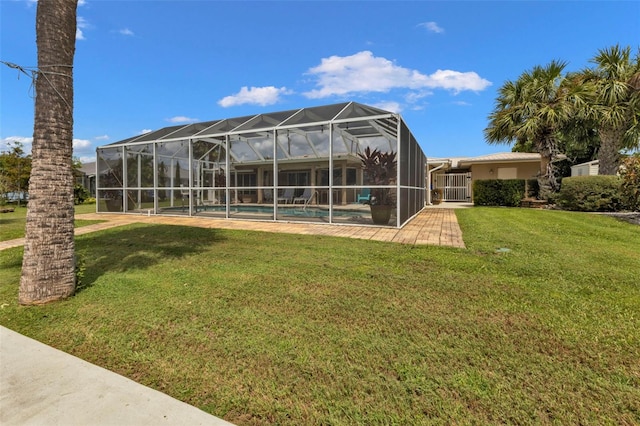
293 178
337 176
246 179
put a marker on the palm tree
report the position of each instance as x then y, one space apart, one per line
531 112
616 106
48 265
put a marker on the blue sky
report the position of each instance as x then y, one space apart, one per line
143 65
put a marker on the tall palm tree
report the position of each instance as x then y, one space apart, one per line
48 265
616 106
532 110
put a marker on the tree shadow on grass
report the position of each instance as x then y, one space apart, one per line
137 247
10 220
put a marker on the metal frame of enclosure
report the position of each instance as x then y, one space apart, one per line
299 166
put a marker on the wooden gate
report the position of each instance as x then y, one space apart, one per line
455 186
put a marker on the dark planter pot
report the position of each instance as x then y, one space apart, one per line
437 195
114 205
381 214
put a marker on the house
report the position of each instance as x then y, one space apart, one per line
86 176
590 168
455 176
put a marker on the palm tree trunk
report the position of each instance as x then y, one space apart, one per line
48 265
609 152
547 179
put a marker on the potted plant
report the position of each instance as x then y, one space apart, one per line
380 169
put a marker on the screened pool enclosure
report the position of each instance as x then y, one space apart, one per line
299 165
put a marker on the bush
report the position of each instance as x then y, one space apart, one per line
590 194
80 194
498 192
630 185
90 200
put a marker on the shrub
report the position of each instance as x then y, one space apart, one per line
80 193
630 185
498 192
590 194
90 200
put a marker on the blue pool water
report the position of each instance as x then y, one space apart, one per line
285 211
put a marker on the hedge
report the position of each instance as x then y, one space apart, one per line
590 194
498 192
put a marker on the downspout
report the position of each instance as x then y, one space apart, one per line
429 203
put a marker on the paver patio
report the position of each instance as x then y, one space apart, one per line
432 226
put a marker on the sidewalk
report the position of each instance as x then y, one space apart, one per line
41 385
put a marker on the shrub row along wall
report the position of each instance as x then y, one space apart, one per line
499 192
591 194
578 193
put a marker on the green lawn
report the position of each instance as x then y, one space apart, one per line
263 328
12 224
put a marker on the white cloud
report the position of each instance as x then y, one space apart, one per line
389 106
458 81
24 140
181 119
81 143
413 97
102 138
81 2
432 26
126 32
82 148
144 131
363 73
87 158
254 96
81 24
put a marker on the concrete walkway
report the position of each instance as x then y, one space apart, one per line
41 385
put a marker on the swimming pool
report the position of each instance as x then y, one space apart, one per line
300 211
284 211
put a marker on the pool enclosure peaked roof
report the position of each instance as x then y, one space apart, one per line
370 122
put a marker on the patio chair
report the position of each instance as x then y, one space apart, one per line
184 197
306 196
287 197
365 196
267 195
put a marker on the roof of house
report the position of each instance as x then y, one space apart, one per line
89 169
502 157
588 163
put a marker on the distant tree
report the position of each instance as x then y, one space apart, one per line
48 265
162 180
615 82
15 168
532 111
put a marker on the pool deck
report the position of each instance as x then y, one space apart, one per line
435 225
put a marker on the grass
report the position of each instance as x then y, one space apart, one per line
262 328
12 224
